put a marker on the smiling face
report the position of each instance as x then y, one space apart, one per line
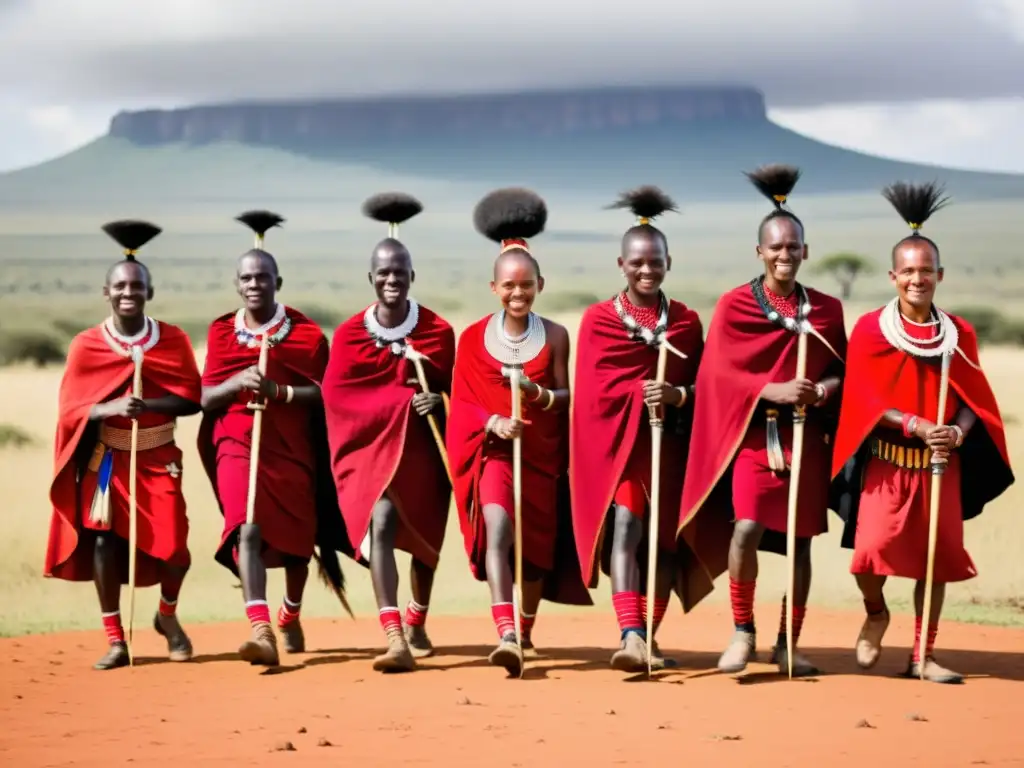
644 262
391 274
782 249
128 289
516 283
257 281
916 273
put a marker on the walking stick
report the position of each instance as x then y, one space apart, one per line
517 495
938 468
417 361
657 427
799 421
133 511
257 431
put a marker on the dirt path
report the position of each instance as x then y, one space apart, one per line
56 711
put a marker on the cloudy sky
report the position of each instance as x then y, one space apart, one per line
937 81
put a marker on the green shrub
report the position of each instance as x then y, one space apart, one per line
14 437
992 326
30 346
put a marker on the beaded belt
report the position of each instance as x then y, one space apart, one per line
900 455
149 438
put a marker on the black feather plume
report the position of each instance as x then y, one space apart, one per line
131 234
916 203
392 207
329 569
775 181
646 202
510 213
260 221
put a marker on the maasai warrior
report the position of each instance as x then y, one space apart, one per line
289 490
393 487
481 430
891 439
742 426
610 448
89 527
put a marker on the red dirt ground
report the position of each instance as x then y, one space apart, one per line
55 710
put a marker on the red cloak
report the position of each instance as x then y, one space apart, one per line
378 442
479 390
609 423
881 377
292 485
95 373
744 352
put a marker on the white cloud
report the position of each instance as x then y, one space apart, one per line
975 135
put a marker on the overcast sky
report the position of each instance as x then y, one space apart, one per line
930 80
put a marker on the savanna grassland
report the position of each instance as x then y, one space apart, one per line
53 258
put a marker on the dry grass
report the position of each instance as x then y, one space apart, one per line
34 604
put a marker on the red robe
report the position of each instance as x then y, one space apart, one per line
379 443
95 373
290 491
479 390
885 507
609 426
744 352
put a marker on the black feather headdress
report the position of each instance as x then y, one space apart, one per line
392 208
775 181
131 234
511 217
259 222
646 203
915 203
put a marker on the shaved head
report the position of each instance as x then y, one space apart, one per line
114 267
258 254
387 250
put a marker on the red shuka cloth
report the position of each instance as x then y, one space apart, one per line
286 495
892 521
95 373
744 352
379 443
479 390
610 428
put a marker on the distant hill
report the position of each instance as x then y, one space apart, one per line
587 143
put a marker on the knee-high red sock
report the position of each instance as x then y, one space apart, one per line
741 595
415 614
391 620
527 622
799 611
167 607
112 626
258 612
933 631
504 618
660 608
288 612
627 611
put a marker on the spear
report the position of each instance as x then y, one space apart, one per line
799 422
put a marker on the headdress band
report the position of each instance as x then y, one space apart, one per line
642 221
914 227
779 198
393 230
514 243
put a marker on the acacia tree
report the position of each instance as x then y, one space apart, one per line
845 267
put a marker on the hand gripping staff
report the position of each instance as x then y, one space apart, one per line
657 422
417 359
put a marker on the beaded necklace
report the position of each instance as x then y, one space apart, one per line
127 346
393 338
639 328
518 351
252 337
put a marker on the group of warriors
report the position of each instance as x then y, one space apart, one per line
673 460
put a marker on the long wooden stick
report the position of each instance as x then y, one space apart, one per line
655 413
517 496
421 375
938 468
133 511
257 431
799 421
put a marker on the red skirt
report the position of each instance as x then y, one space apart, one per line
540 506
632 492
761 496
892 524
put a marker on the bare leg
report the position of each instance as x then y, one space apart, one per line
742 586
663 580
179 647
500 540
533 590
802 590
384 574
628 532
932 670
872 631
261 648
296 573
421 582
108 588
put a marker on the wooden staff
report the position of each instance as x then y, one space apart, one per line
517 496
657 427
799 421
938 468
417 361
133 512
257 431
